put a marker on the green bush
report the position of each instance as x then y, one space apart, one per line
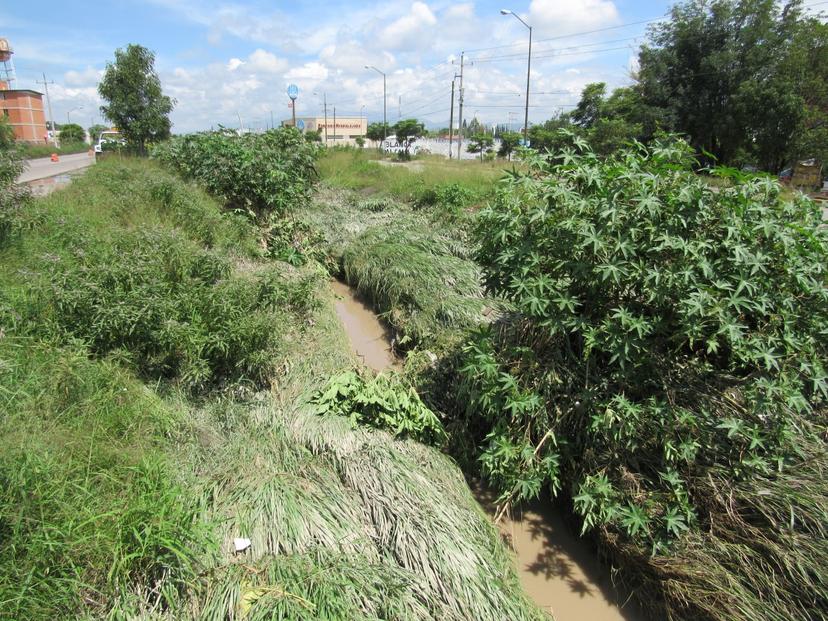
447 195
383 402
668 346
264 175
89 509
171 309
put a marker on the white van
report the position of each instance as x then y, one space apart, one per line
109 136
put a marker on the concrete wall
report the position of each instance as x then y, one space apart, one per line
24 111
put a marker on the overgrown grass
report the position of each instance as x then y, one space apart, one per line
89 504
32 151
121 495
413 263
362 171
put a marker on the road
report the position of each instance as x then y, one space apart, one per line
43 167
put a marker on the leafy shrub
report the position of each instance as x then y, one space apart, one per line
173 309
264 175
448 195
383 402
669 345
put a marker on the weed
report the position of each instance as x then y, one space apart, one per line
382 401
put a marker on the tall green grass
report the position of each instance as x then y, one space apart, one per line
90 507
361 170
121 492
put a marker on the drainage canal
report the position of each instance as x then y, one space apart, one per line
556 568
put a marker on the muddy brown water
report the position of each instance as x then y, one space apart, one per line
370 339
556 568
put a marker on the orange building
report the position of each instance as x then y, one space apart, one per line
22 108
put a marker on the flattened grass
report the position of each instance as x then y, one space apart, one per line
120 498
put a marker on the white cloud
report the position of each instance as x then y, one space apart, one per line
554 16
87 77
263 61
410 30
234 63
313 72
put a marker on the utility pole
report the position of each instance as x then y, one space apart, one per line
384 103
49 102
334 134
271 120
451 117
528 70
460 114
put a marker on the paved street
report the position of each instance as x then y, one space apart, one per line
43 167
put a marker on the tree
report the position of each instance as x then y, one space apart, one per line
95 131
723 73
548 137
588 110
6 134
407 131
72 132
508 143
480 143
377 131
135 102
360 141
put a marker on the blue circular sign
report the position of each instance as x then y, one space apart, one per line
293 91
300 124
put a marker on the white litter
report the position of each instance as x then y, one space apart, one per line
241 544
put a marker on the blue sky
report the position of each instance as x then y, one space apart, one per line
224 60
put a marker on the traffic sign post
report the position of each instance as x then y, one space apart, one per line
293 93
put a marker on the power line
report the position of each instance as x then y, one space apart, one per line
585 53
522 55
579 34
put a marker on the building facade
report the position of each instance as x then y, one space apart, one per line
23 110
344 132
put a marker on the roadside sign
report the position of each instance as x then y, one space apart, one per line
293 91
300 124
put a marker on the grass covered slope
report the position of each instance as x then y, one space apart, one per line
399 236
153 370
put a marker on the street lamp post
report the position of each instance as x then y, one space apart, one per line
528 68
384 101
68 119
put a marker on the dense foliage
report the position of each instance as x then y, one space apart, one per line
12 196
668 334
265 175
71 132
134 100
382 401
745 80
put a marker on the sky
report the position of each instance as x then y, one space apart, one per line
229 63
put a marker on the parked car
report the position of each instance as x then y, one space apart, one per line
108 140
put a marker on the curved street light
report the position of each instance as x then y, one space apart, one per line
384 101
528 67
68 120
